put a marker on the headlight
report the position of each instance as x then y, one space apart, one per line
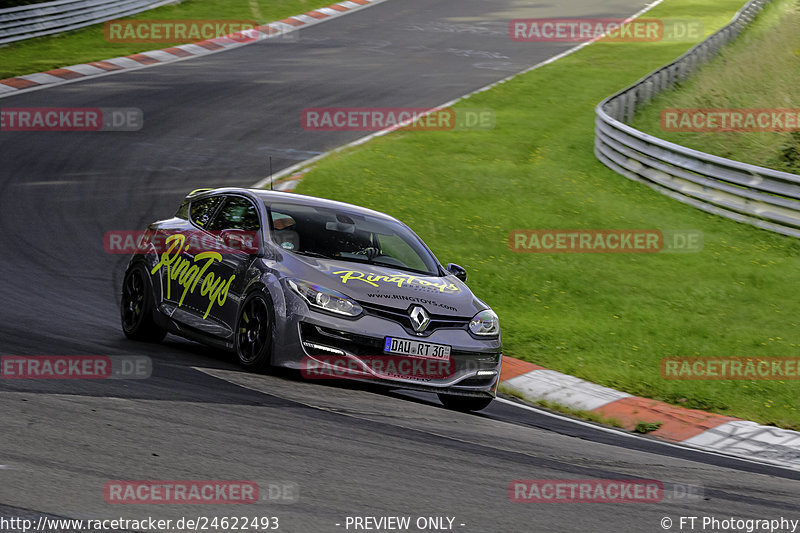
485 323
327 299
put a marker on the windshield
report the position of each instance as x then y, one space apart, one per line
346 236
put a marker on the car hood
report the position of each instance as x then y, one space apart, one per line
392 287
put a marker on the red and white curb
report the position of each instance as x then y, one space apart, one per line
273 30
691 427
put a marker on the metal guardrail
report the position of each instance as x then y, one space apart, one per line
769 199
36 20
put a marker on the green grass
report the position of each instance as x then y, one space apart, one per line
761 69
647 427
89 44
607 318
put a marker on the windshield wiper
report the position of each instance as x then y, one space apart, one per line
312 254
363 261
398 267
377 261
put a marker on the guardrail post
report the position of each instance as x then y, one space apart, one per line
630 106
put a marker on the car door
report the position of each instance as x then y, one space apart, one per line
236 228
176 251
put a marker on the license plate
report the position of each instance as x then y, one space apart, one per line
428 350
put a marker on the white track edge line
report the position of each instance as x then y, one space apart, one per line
606 429
212 372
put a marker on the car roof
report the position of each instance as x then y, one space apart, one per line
270 197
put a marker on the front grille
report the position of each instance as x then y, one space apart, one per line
349 342
403 318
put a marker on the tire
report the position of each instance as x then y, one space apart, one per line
253 337
136 307
464 403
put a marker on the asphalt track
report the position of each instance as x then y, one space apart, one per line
351 451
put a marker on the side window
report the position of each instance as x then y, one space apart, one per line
183 210
203 210
236 213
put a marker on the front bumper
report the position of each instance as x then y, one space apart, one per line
353 349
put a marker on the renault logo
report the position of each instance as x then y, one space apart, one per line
419 318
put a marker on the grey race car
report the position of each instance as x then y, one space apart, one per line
329 288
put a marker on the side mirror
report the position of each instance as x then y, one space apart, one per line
457 271
240 240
